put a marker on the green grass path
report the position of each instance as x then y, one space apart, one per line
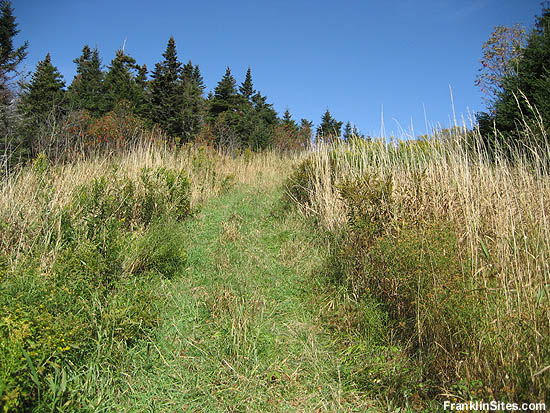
242 332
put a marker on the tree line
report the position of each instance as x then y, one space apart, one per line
169 99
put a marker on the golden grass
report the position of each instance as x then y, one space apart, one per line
32 199
501 213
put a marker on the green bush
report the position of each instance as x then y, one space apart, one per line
161 250
417 271
93 284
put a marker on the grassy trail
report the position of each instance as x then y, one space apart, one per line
242 332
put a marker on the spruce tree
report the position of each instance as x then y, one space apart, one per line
187 71
287 119
197 78
348 131
263 121
166 96
225 90
10 143
225 96
45 91
42 100
143 106
305 133
247 89
330 128
120 81
10 58
192 103
87 90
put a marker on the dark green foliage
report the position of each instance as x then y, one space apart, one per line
240 122
121 82
329 128
522 106
225 90
351 131
87 90
177 104
42 103
347 131
305 132
10 57
263 119
160 250
235 117
166 96
225 96
247 89
288 121
44 95
193 106
142 105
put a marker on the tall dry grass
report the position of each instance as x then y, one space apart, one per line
499 213
84 248
32 199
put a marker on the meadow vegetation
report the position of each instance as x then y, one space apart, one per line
85 246
423 266
453 246
164 251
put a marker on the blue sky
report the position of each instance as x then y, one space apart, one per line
359 59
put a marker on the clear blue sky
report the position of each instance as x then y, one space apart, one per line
352 57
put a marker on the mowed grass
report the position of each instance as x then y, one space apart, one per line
241 331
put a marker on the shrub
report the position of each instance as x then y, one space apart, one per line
159 250
73 292
115 130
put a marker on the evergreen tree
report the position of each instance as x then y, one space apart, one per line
42 100
330 128
120 81
187 71
192 111
45 90
197 78
348 131
351 131
225 90
87 90
263 121
141 78
265 110
247 89
526 88
143 106
288 121
306 132
225 96
166 96
10 58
